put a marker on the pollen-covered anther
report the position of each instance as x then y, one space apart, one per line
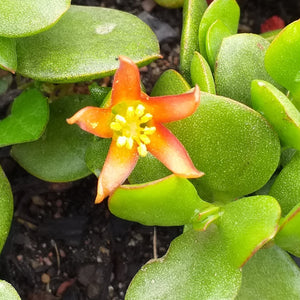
142 150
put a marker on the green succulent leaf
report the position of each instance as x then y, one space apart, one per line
227 12
205 265
6 208
25 17
232 144
270 35
171 201
278 110
192 14
283 59
85 44
214 37
196 266
7 291
243 53
286 188
248 224
288 236
8 54
270 274
201 74
170 3
27 121
58 155
170 83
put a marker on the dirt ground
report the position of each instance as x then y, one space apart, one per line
61 245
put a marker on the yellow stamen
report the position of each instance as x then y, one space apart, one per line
120 119
115 126
146 118
129 143
145 139
121 141
149 130
130 112
142 150
140 109
130 127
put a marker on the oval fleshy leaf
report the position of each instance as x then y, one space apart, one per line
278 110
270 274
192 14
226 11
25 17
7 291
243 53
47 56
201 74
170 3
232 144
27 121
196 266
248 224
283 59
286 188
214 37
59 154
170 83
8 54
170 201
288 236
6 208
270 35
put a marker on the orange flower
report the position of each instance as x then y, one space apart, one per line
133 121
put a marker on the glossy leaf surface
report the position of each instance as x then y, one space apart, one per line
270 274
170 3
243 53
170 83
8 55
249 223
288 237
6 208
59 154
106 34
205 265
232 144
278 110
214 37
27 121
7 291
226 11
201 74
283 58
27 17
171 201
286 188
196 266
192 14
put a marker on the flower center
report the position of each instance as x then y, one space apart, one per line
132 128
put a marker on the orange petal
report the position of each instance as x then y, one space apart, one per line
94 120
173 107
167 148
118 165
126 85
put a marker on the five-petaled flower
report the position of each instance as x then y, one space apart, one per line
134 122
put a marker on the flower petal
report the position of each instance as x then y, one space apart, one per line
168 149
94 120
126 84
173 107
119 163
